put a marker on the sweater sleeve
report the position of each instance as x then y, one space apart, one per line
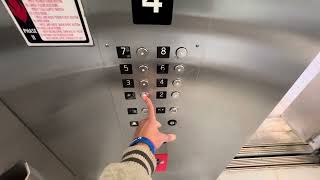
138 163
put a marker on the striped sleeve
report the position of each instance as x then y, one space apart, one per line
138 163
142 156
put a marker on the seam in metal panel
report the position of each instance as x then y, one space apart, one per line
38 138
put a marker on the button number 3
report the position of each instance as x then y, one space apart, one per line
155 4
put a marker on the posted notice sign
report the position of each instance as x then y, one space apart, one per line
50 22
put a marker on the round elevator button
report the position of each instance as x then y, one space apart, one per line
177 83
174 109
175 95
172 122
143 68
181 52
144 83
179 69
144 110
142 52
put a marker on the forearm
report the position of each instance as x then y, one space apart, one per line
138 163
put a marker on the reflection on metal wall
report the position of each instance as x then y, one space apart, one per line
242 58
303 113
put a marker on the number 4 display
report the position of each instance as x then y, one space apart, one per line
156 5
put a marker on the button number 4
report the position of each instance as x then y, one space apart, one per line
156 5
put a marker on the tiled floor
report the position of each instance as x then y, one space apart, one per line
274 131
284 173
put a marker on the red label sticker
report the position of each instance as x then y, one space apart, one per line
162 161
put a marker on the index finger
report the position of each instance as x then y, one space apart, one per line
151 112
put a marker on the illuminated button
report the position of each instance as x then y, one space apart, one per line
134 123
143 68
132 111
179 69
174 110
130 95
181 52
144 83
142 52
177 83
172 122
175 95
144 110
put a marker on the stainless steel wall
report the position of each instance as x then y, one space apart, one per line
19 144
249 54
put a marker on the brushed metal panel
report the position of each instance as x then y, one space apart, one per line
74 116
17 143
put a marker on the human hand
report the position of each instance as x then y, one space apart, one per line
149 127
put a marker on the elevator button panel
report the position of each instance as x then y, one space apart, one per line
123 52
158 71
